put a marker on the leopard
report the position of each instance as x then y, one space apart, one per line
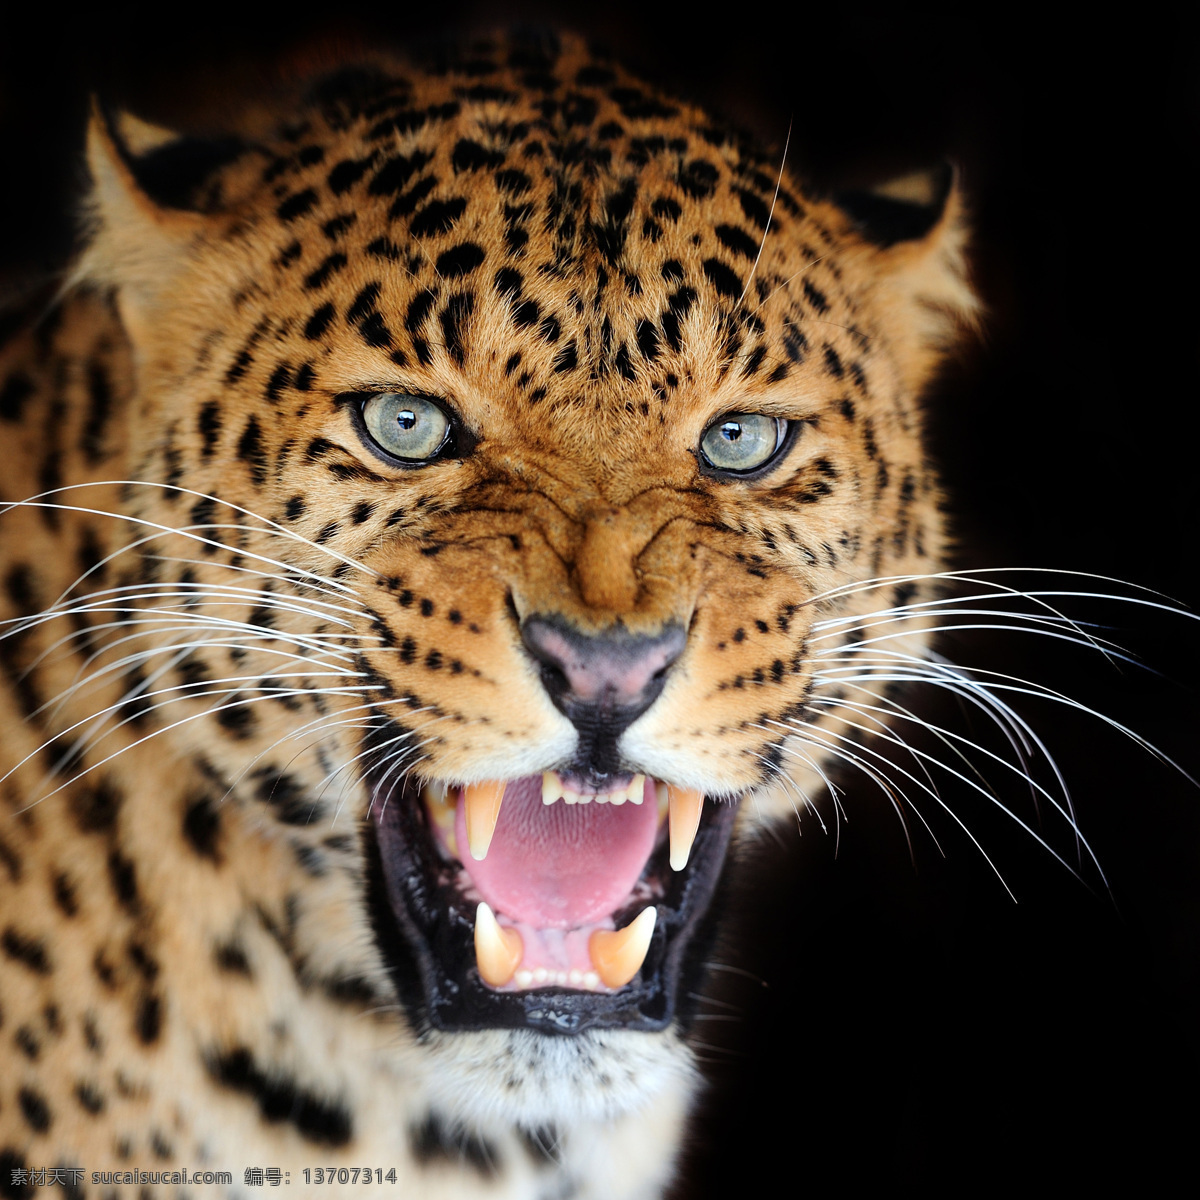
449 518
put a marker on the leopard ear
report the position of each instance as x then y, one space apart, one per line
146 208
916 229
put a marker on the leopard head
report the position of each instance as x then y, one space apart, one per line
531 453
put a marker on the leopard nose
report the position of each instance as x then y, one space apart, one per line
609 678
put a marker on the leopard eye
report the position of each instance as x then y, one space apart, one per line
410 428
741 443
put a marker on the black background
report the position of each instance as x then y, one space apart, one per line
900 1018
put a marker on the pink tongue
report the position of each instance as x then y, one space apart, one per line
561 865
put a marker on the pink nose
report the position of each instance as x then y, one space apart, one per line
611 678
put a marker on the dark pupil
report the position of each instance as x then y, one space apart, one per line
406 419
731 431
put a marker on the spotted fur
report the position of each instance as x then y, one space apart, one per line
234 626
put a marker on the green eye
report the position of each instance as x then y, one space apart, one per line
742 442
409 428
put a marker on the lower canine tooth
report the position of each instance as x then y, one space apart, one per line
685 805
498 951
618 955
483 811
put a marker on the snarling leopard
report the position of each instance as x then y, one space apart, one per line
445 519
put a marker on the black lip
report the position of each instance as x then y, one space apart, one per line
425 929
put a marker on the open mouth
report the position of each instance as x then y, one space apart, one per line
549 901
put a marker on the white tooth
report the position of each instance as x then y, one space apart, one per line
483 811
498 951
604 798
570 795
685 806
524 979
551 787
591 981
617 797
575 977
637 789
540 975
617 955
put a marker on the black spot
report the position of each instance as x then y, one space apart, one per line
318 322
320 1120
280 378
384 247
28 951
202 826
678 306
526 313
122 877
435 1141
396 172
514 182
64 895
647 339
737 240
566 359
460 260
90 1098
36 1110
550 330
297 205
231 957
427 607
250 451
320 275
336 226
698 178
304 377
10 860
348 172
208 424
754 207
816 297
418 309
833 363
471 156
623 365
508 282
454 318
16 389
438 216
236 718
295 508
148 1021
362 511
635 104
288 798
95 808
28 1043
724 278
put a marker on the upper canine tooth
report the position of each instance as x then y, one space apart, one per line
637 789
483 811
551 787
498 951
618 954
685 805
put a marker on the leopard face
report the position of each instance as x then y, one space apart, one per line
450 514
